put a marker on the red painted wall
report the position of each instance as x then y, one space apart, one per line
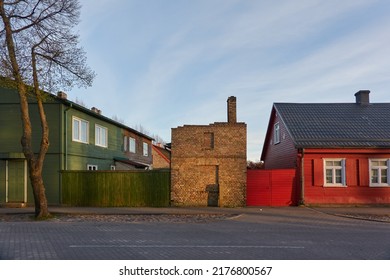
357 190
271 187
284 155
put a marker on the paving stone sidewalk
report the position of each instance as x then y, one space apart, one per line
182 214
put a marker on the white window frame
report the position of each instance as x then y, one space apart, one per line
379 169
334 169
276 133
125 142
92 167
132 145
145 149
79 138
101 138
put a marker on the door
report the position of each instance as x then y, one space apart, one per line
211 175
16 181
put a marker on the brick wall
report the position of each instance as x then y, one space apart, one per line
206 159
159 160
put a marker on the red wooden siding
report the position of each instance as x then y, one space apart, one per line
258 188
271 187
281 155
357 190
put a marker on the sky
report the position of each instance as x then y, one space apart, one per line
166 63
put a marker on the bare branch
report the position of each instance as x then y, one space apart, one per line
38 47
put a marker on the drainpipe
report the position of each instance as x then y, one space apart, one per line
301 156
65 151
66 136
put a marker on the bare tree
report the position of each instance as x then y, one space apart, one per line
118 119
80 102
143 130
158 139
39 51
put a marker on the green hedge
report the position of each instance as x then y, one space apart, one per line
116 188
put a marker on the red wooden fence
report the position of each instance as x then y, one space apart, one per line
271 187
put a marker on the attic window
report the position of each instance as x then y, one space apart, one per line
276 133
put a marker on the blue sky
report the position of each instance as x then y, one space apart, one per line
166 63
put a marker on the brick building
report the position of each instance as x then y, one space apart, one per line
161 156
208 163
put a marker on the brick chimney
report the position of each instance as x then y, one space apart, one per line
62 95
96 110
363 97
231 109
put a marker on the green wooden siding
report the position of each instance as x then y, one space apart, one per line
116 189
63 153
2 181
11 120
80 154
11 149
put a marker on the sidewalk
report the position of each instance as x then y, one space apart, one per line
131 210
364 212
373 213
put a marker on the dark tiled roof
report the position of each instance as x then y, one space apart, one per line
337 124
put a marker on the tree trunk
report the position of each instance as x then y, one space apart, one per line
41 207
35 164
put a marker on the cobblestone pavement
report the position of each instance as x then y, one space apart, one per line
191 215
122 218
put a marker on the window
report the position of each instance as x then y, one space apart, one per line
92 167
125 143
100 136
276 133
132 145
379 172
113 167
80 130
334 172
146 149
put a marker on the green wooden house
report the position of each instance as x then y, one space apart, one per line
80 139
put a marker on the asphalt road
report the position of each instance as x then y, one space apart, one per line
268 234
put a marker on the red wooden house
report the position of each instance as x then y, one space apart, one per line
340 151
